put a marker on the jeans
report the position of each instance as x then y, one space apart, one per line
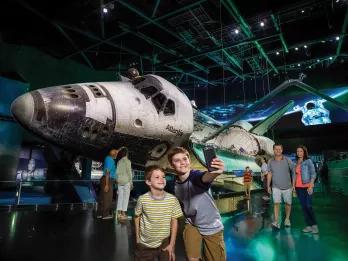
123 197
306 204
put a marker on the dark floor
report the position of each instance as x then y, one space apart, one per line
77 235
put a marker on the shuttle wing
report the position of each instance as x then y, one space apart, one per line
263 126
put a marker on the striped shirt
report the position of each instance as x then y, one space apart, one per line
155 217
248 177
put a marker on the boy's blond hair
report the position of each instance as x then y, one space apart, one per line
175 151
150 169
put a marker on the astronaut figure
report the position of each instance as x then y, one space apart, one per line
32 173
314 113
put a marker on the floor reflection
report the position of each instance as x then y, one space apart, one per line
78 235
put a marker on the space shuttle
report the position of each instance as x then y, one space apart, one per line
148 114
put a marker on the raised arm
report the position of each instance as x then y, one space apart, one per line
209 177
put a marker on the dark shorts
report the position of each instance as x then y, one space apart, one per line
144 253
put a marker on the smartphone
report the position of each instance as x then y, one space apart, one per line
209 155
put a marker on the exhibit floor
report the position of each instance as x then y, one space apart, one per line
78 235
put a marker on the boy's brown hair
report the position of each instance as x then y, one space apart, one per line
175 151
150 169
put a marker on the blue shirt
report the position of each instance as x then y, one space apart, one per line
109 164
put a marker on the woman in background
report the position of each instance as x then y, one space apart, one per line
264 173
124 182
303 182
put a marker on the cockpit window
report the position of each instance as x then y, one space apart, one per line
149 91
159 100
169 109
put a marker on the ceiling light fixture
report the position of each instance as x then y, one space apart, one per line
305 46
105 10
262 24
236 31
337 38
296 48
277 53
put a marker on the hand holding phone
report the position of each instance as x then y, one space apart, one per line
209 155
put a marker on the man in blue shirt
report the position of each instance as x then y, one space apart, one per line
106 184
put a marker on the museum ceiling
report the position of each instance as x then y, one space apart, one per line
191 43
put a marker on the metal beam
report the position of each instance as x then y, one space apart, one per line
282 40
233 10
343 31
116 36
177 11
138 12
155 9
133 9
240 43
300 44
92 36
232 59
58 27
126 28
286 84
102 27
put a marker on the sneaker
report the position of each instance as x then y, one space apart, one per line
307 229
266 198
287 223
99 216
275 225
315 229
108 217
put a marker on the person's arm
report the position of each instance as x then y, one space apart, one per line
209 177
137 229
269 177
313 176
269 180
137 215
129 171
107 177
130 175
171 247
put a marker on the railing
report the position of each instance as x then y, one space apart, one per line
61 193
48 192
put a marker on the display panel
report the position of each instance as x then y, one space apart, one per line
314 110
32 165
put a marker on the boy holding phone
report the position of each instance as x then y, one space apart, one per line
203 221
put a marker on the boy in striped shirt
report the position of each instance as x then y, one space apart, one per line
156 215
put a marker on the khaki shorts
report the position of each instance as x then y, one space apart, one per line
282 194
213 245
247 185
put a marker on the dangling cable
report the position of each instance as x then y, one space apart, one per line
222 57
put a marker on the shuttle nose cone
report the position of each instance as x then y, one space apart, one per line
23 109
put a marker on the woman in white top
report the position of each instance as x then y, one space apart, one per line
125 183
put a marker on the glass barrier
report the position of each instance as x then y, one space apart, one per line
48 192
